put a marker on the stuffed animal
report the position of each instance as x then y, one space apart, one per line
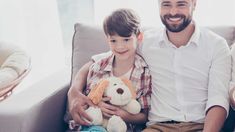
122 94
232 97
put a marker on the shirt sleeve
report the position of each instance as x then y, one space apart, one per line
232 83
219 77
146 89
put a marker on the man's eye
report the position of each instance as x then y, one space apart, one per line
126 40
166 5
182 5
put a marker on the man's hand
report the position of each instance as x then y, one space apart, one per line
77 108
77 101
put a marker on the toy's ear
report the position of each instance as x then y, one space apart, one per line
129 85
96 93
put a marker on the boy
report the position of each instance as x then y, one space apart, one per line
122 31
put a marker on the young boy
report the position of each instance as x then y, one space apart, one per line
122 29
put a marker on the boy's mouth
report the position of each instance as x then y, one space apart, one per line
121 52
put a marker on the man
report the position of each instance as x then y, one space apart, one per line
190 68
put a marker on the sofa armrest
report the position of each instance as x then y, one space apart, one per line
39 108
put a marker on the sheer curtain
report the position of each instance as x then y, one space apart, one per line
34 25
208 12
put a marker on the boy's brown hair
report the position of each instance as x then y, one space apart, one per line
123 22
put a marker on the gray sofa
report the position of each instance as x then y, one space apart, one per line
41 107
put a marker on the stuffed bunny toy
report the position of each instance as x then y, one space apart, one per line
122 94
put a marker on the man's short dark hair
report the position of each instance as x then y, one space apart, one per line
123 22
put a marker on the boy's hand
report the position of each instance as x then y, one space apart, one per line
107 109
77 109
122 113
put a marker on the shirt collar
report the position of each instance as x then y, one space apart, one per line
109 63
139 63
196 35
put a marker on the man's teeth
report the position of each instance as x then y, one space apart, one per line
174 19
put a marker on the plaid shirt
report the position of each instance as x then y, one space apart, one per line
140 77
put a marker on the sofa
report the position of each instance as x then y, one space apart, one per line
41 107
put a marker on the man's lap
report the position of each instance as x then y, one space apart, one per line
171 127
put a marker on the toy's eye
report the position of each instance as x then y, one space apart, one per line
114 84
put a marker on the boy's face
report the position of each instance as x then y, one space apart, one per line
176 15
123 47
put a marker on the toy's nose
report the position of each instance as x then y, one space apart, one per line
120 91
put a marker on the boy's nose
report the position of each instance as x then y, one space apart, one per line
120 45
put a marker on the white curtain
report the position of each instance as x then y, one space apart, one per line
34 25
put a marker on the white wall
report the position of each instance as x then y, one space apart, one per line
208 12
34 25
215 12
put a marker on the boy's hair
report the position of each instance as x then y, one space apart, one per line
123 22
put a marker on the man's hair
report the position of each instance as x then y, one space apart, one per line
123 22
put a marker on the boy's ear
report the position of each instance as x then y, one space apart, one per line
140 37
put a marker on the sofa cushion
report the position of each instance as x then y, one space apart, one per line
227 32
90 39
87 41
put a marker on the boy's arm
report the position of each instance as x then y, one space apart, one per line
77 101
108 110
139 118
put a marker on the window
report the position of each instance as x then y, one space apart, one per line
34 26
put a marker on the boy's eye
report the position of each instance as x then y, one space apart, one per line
112 41
126 40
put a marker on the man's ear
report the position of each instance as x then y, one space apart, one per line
194 4
140 37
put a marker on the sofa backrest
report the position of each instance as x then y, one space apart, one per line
90 39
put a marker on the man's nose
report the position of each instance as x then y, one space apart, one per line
173 11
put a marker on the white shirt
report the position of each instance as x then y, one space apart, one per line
232 83
186 81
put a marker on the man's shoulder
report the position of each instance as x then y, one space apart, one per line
209 35
153 32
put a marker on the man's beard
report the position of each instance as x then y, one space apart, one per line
176 27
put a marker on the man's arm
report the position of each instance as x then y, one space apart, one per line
215 118
77 101
218 88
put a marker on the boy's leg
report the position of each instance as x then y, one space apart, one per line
93 129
